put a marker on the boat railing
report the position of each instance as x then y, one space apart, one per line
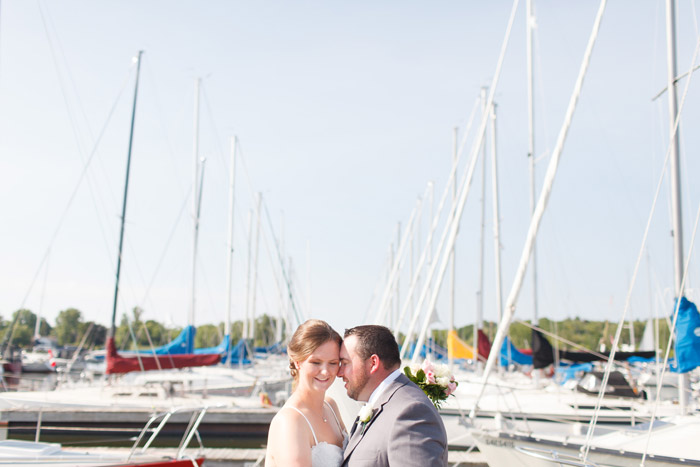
162 418
554 457
505 391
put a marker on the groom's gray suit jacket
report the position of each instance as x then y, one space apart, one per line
405 430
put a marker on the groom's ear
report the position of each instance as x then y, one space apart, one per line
375 364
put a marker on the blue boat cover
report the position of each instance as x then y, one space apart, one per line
687 337
430 347
182 344
220 349
510 354
642 360
239 354
567 372
276 348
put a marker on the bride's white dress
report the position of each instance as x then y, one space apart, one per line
325 454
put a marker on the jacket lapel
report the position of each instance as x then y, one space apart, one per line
359 432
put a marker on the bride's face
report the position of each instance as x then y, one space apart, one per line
319 370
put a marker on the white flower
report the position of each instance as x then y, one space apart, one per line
366 413
442 371
443 381
415 367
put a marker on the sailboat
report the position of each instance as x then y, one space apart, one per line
116 363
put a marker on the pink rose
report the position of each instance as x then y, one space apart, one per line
428 367
451 387
430 377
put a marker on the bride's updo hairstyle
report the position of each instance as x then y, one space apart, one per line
307 338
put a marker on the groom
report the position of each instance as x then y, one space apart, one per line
403 427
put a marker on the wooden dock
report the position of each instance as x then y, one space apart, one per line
218 457
219 427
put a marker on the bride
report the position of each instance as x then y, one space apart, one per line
307 430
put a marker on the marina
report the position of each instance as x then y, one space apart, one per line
508 188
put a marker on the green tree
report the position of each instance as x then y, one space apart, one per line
22 330
97 337
265 330
122 335
4 325
207 335
236 331
159 333
439 337
68 327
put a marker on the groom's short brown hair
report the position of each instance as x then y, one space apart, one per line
377 340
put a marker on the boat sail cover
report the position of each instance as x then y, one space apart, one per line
687 337
457 348
430 349
276 348
510 354
238 354
182 344
483 345
543 352
118 364
222 348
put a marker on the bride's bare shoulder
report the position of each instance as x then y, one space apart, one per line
286 417
288 440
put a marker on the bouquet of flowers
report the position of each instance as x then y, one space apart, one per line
436 381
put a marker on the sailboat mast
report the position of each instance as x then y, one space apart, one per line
531 145
496 214
246 321
453 277
126 191
480 293
37 323
677 220
675 151
254 288
195 201
397 285
229 256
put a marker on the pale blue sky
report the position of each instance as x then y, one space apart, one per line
344 111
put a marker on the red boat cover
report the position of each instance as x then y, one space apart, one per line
116 364
484 344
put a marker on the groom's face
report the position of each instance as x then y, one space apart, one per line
354 370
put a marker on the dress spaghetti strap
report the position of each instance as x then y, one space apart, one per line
340 427
307 421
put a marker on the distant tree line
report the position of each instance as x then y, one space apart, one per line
70 329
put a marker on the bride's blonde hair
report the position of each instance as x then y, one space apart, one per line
307 338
